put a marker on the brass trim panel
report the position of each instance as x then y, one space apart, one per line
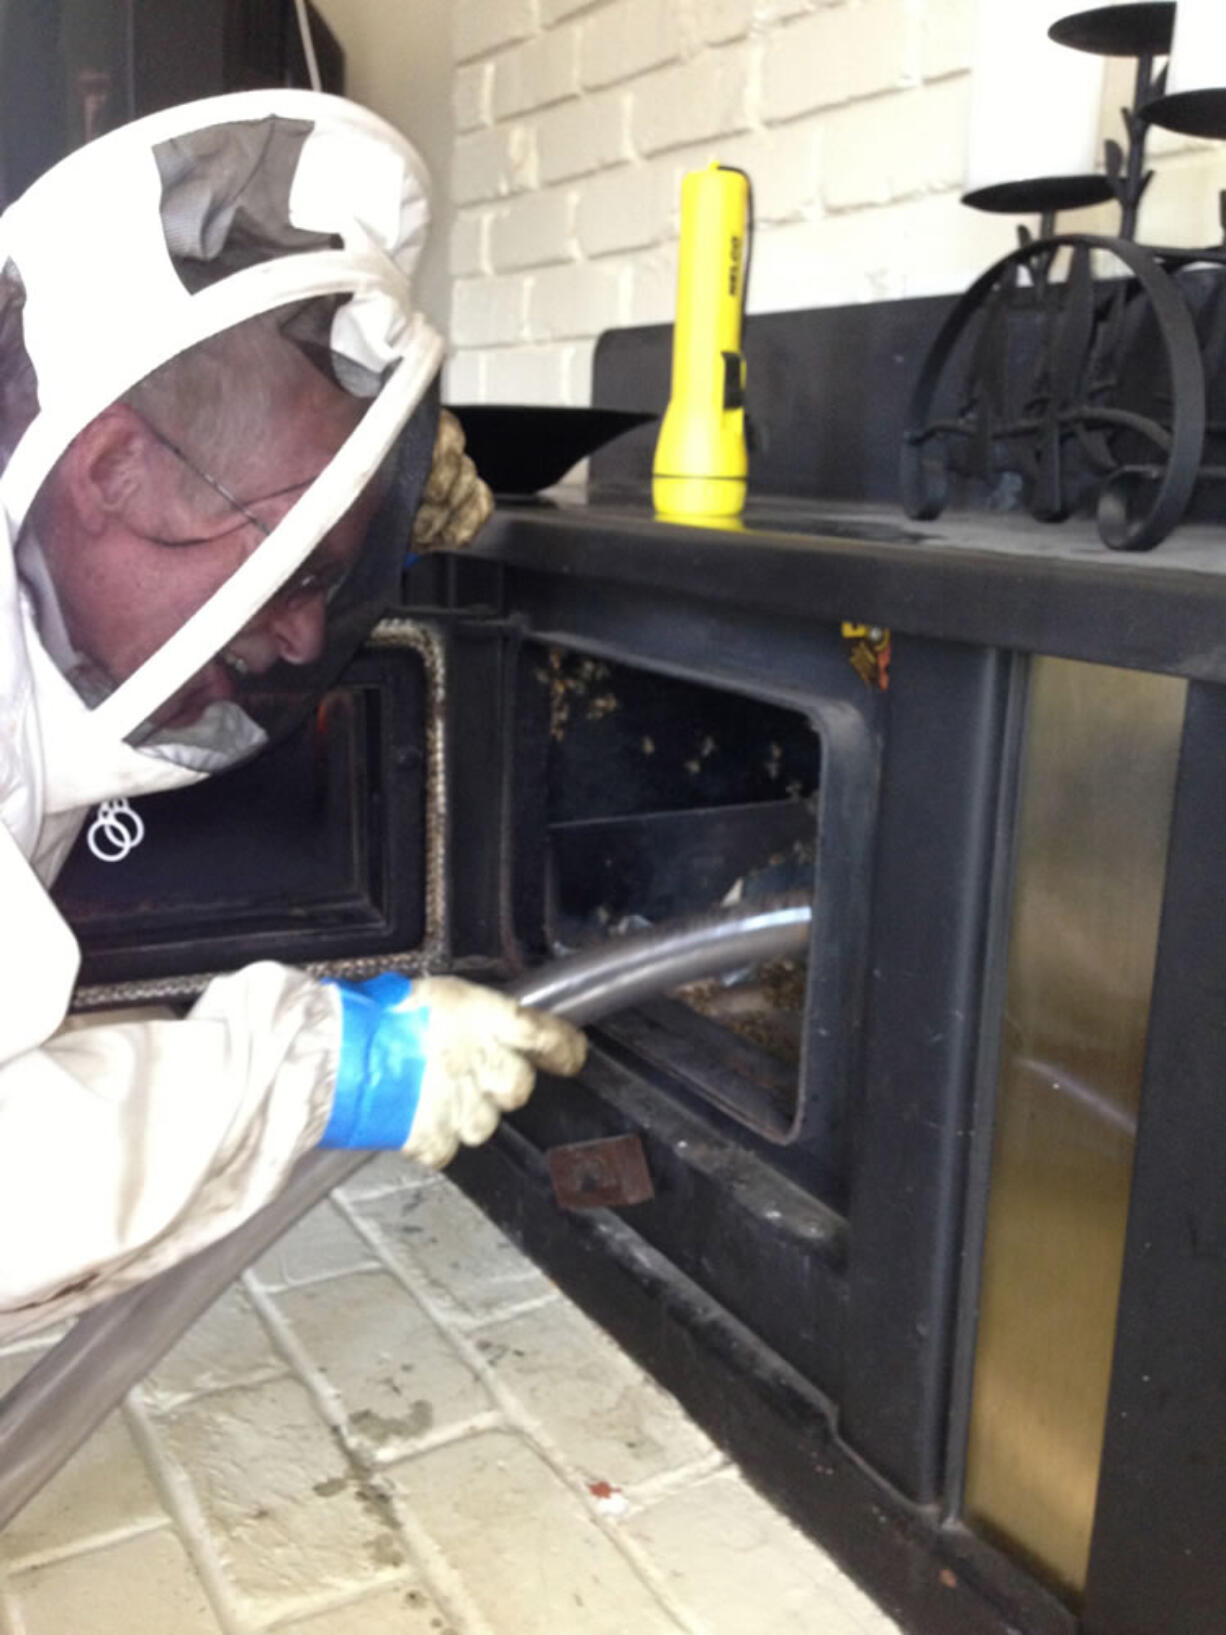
1096 797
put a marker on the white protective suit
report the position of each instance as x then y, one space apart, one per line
124 1147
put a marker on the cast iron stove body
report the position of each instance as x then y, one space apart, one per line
936 1243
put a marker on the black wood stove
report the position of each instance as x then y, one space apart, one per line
931 1234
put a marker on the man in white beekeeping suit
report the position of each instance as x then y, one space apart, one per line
215 433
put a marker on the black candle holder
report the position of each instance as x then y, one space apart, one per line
1074 369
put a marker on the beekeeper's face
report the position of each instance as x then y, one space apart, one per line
138 536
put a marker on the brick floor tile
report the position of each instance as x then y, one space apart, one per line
284 1513
228 1346
529 1554
399 1378
103 1491
322 1245
405 1610
143 1586
389 1172
613 1420
468 1260
741 1568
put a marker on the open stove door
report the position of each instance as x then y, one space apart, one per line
331 851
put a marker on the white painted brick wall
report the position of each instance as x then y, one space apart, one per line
947 38
582 137
490 311
871 157
466 372
837 56
484 25
624 209
556 11
578 118
722 20
527 374
490 164
566 302
470 245
627 38
704 99
471 95
532 231
533 75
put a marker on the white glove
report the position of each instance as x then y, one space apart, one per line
430 1064
456 504
482 1053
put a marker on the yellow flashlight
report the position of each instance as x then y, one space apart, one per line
701 465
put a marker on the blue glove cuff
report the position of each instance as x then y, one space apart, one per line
382 1059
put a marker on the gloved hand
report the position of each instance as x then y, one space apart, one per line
426 1065
456 504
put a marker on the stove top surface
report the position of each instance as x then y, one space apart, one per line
991 578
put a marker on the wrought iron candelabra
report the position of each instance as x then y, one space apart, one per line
1079 367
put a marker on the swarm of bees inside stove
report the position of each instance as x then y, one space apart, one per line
575 683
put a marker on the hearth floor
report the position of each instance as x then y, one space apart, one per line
395 1424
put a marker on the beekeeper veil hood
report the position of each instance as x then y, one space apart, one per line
216 418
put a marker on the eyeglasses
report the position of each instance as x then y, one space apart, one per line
320 574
